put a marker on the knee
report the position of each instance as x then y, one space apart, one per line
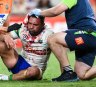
5 51
51 40
2 47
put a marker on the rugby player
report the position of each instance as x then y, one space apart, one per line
32 62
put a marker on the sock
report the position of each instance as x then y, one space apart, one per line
10 77
4 77
67 68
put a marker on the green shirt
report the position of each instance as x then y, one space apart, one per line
69 3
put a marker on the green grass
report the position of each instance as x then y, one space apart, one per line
52 71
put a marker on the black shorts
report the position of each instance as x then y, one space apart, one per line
84 45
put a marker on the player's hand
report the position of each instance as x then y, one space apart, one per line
9 41
3 29
35 12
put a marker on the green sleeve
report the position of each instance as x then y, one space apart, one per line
69 3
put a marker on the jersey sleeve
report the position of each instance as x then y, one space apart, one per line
14 34
69 3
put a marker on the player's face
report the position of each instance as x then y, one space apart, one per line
34 26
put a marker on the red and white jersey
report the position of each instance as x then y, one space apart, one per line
35 48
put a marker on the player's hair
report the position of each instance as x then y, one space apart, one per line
41 17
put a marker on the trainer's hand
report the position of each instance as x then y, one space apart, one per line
35 12
9 41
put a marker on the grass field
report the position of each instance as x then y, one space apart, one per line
51 72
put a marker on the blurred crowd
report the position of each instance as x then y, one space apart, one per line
24 6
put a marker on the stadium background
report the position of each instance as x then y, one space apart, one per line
22 7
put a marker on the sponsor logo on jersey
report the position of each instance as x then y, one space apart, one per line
25 37
79 41
2 15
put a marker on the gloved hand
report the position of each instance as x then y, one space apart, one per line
36 12
14 27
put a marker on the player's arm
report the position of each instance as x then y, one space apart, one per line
15 30
60 8
6 24
54 11
8 37
10 28
15 34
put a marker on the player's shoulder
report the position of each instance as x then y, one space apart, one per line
46 33
49 30
22 30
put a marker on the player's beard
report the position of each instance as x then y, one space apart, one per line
34 33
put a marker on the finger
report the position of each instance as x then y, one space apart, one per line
7 44
12 44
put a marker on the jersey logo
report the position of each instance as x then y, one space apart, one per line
79 41
2 15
